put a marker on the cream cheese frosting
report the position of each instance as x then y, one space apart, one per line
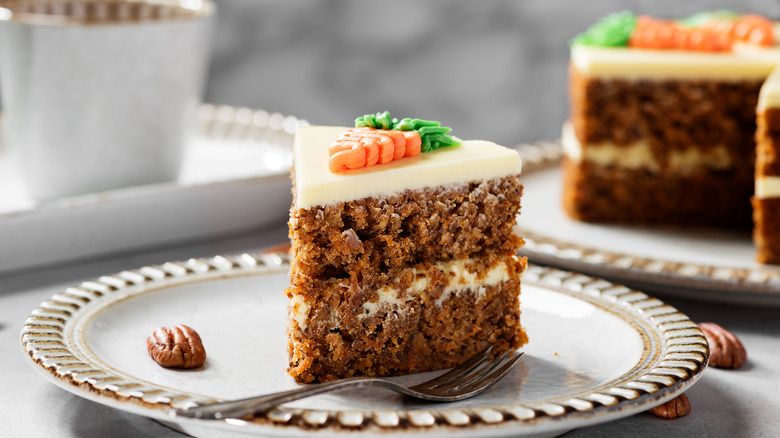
767 187
316 185
746 61
626 63
639 155
769 96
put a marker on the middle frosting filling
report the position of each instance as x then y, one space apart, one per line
460 280
639 155
767 187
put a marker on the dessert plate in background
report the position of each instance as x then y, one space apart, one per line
235 178
699 263
597 352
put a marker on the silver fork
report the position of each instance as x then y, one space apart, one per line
468 379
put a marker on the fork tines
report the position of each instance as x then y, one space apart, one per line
469 378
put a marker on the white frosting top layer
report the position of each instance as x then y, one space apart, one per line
769 96
746 61
316 185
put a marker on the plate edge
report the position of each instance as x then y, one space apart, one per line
683 358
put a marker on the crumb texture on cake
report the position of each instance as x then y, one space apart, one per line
766 234
375 235
667 114
766 201
768 143
594 193
439 328
414 281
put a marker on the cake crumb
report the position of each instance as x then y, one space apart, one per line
351 239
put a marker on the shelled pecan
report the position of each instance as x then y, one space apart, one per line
726 351
674 408
176 347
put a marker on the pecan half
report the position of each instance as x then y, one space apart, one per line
726 351
676 407
176 347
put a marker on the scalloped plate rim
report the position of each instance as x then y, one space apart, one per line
264 264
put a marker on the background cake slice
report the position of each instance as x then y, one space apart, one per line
766 200
402 267
663 124
664 134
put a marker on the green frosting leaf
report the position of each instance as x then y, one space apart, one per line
377 121
614 30
432 134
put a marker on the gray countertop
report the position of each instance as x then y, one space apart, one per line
743 402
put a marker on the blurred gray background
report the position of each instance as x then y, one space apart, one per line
491 69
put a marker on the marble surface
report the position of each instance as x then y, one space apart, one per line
495 70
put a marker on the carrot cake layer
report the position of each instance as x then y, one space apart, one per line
431 316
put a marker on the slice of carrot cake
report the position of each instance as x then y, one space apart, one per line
663 118
766 200
404 250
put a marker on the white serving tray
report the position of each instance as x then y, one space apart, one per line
235 178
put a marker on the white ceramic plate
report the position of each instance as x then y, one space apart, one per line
698 263
597 352
238 166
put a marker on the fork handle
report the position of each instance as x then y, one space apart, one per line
254 405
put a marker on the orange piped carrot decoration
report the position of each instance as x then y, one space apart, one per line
387 145
754 29
347 156
651 33
365 147
413 143
715 31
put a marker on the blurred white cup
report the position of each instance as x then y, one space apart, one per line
100 94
